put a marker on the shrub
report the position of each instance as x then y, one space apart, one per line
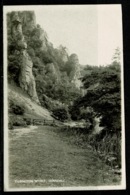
28 121
60 114
19 122
16 121
13 67
45 57
16 108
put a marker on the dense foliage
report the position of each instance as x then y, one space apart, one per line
103 96
16 108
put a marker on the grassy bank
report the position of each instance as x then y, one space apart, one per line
107 148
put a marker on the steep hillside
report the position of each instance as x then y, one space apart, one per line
36 66
32 109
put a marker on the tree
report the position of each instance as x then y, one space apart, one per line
105 98
117 56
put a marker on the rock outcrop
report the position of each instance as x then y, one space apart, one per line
74 68
26 78
97 127
52 72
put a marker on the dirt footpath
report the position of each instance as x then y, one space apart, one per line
41 158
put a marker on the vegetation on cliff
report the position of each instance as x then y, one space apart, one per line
51 66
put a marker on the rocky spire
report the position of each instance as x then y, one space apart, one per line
26 78
75 70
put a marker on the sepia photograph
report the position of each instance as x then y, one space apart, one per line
63 98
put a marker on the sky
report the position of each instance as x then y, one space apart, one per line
93 32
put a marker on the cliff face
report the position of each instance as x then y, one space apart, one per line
26 78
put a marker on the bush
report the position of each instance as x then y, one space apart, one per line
28 121
16 108
44 56
20 123
14 66
16 121
60 114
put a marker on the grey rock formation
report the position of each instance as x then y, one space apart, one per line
52 72
26 78
28 19
74 74
43 37
97 127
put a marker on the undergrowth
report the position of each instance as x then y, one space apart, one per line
108 148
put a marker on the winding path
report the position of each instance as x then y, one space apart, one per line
48 160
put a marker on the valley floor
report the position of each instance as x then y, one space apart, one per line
41 157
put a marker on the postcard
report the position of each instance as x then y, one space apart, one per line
63 98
